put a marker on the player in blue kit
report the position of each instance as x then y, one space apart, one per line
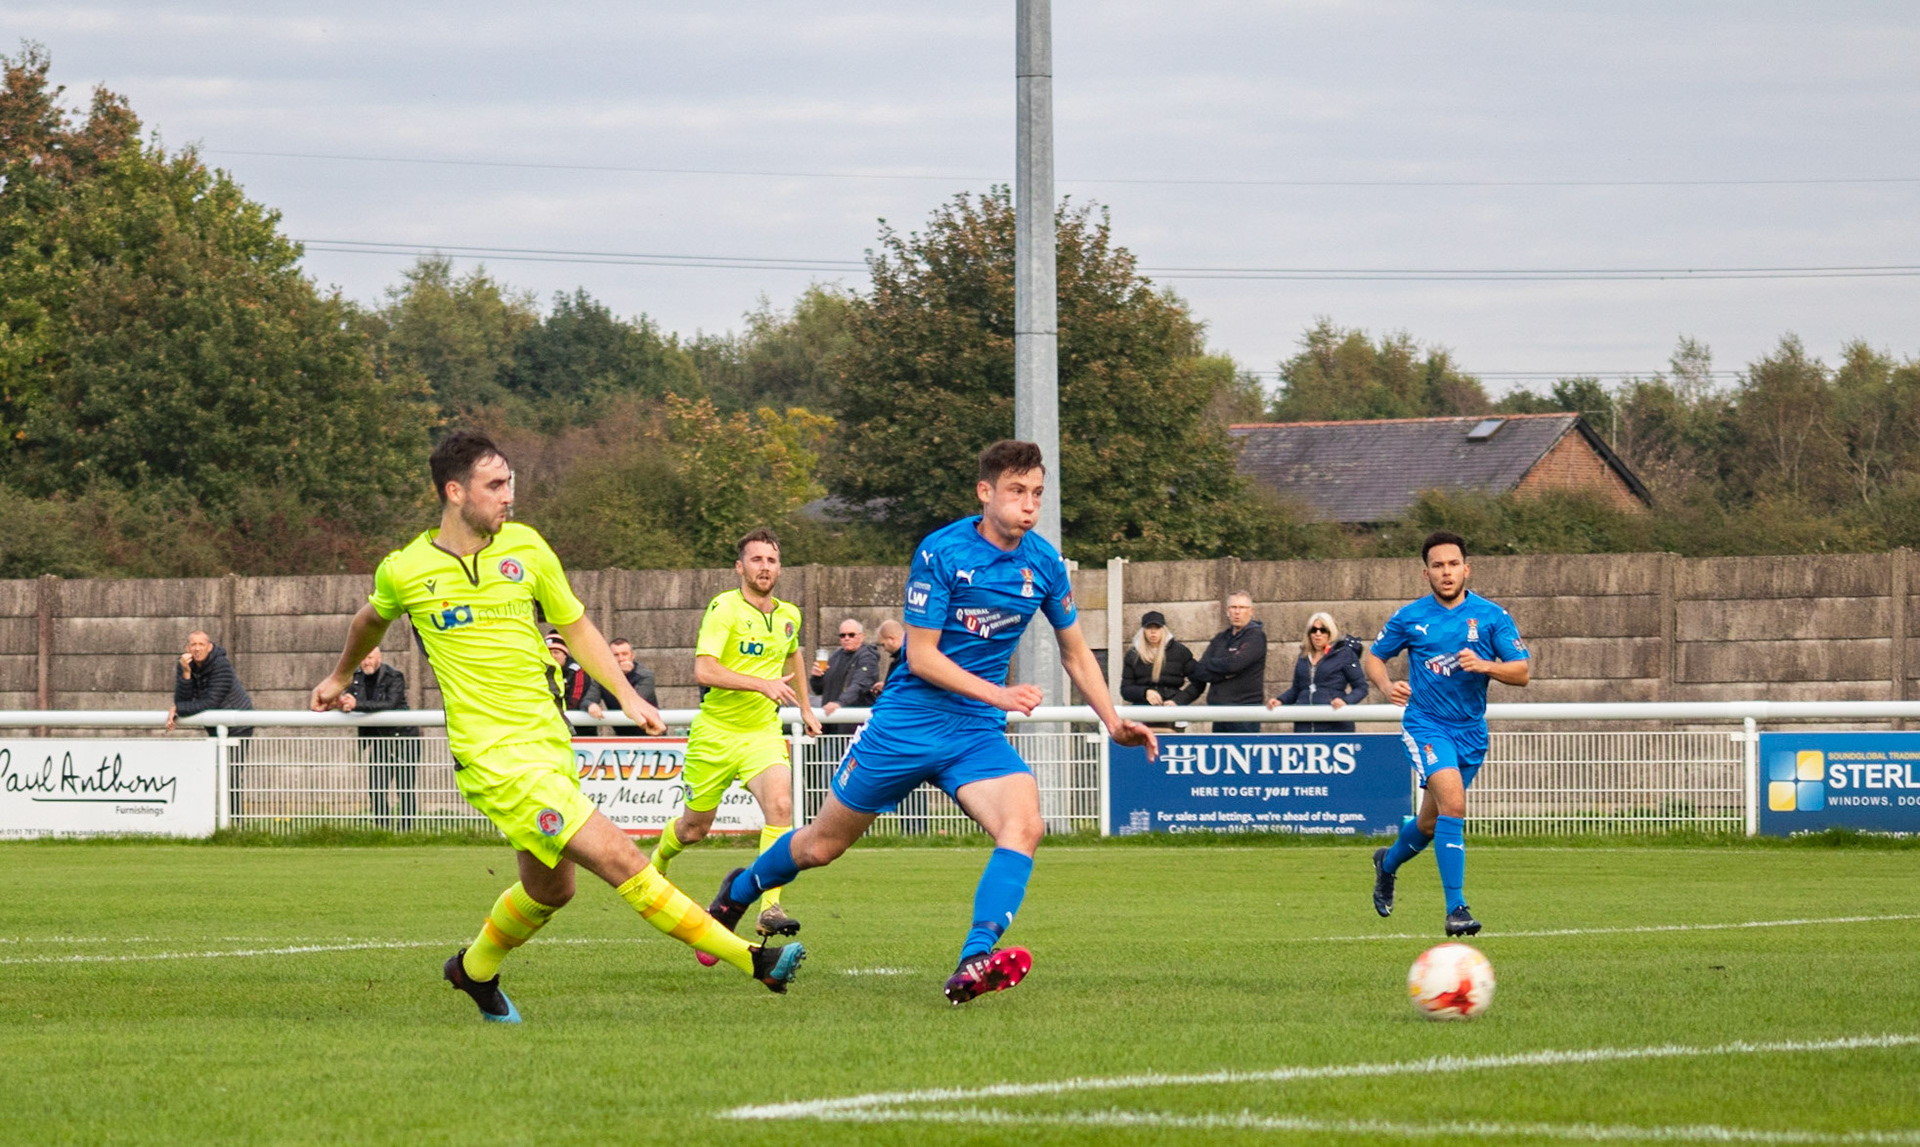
972 589
1456 641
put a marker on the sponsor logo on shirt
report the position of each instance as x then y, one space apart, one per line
1421 628
987 622
512 570
1442 666
967 574
753 648
451 617
917 592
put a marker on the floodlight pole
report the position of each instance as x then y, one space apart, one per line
1036 324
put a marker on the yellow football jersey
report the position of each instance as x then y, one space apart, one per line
750 642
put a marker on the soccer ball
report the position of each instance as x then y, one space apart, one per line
1450 982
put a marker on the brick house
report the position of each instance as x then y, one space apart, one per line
1371 472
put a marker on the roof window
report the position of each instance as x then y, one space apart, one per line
1485 429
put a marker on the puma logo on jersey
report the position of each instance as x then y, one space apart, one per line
968 574
1422 629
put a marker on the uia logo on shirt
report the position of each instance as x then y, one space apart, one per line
1796 781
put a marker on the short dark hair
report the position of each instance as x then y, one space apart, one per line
456 456
619 641
761 534
1010 454
1442 538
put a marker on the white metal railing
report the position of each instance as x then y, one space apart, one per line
1611 780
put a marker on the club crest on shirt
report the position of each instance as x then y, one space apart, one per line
789 629
512 570
1026 583
1473 629
550 822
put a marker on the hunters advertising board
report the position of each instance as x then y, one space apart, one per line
1866 781
640 784
54 787
1339 784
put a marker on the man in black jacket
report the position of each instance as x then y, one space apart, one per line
637 675
1234 666
207 681
852 670
392 751
577 689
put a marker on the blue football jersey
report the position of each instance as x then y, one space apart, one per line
1447 698
980 598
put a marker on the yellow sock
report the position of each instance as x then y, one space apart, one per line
668 909
513 921
668 848
769 834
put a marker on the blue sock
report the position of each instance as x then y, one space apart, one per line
1451 855
1412 843
1002 887
773 868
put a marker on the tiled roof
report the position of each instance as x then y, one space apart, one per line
1372 471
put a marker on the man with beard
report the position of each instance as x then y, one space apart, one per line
473 589
747 639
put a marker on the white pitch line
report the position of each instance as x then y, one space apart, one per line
853 1107
1640 928
1247 1121
289 950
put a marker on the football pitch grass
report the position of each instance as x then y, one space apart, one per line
162 993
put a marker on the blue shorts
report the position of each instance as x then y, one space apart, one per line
902 747
1433 752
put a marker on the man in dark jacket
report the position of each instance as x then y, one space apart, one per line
852 670
1234 667
207 681
392 751
637 675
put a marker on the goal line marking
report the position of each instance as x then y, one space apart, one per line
898 1106
1623 930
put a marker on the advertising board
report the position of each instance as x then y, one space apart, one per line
638 782
51 787
1339 784
1866 781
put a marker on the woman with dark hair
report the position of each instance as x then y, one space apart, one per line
1328 673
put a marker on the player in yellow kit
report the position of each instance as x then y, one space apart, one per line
473 590
747 639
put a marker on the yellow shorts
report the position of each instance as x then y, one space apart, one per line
531 792
717 755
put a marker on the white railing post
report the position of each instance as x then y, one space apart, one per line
221 785
1106 785
1752 778
798 754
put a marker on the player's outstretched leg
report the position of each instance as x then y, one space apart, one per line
774 920
1450 854
512 921
984 968
667 847
1387 861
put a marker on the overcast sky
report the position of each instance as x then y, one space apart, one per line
1445 136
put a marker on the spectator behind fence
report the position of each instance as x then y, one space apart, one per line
392 751
207 680
577 689
893 635
1157 668
637 675
852 670
1328 673
1234 666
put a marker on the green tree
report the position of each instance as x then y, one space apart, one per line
926 382
784 358
1342 375
159 335
577 358
460 333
